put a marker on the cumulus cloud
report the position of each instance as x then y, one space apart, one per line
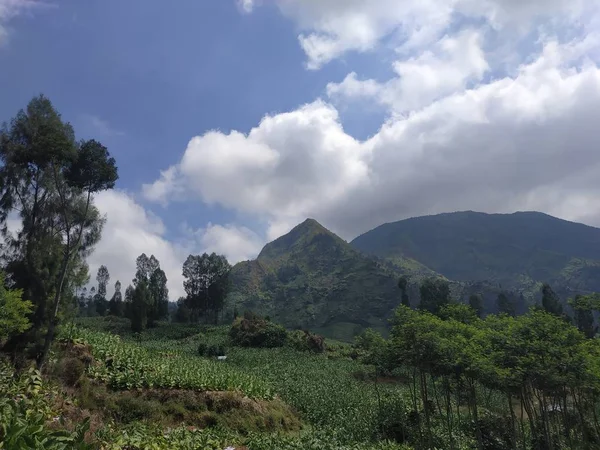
131 230
527 141
291 162
237 243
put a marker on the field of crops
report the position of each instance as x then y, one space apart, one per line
321 387
127 365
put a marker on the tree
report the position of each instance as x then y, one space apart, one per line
91 171
183 313
206 284
139 307
49 179
34 144
505 305
550 301
115 305
584 306
102 278
435 293
476 302
159 293
14 311
403 285
128 303
150 284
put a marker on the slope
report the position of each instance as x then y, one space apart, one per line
311 278
517 251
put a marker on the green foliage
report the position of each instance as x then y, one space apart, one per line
505 305
312 279
254 331
435 294
306 341
550 301
476 302
25 414
459 312
14 311
584 306
127 365
206 285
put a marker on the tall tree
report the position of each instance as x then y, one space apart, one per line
206 284
505 305
102 278
435 293
159 294
36 141
476 302
128 302
150 284
49 179
550 301
115 305
91 171
403 285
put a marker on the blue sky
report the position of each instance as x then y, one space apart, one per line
232 121
144 77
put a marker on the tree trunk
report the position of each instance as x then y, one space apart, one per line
61 282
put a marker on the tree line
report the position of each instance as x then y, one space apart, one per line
496 382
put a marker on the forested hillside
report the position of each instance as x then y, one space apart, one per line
518 251
311 278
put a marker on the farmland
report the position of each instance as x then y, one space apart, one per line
333 404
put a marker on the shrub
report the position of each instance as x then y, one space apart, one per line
254 331
306 342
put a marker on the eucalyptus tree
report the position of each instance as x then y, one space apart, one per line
49 179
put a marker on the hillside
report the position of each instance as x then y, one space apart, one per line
312 278
517 251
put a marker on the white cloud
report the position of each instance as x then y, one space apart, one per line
9 9
443 70
129 231
237 243
291 162
246 6
331 28
523 142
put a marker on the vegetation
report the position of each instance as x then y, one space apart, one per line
312 279
518 251
446 374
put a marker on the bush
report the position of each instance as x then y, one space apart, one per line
305 341
254 331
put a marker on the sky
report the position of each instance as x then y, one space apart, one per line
234 120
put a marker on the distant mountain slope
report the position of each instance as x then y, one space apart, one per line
517 251
311 278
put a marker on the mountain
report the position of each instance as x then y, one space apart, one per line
311 278
516 251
